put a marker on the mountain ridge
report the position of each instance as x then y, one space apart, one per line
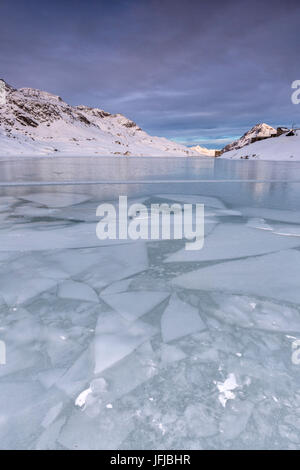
37 122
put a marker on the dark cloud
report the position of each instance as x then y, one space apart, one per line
194 71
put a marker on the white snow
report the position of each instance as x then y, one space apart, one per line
226 389
259 130
277 148
205 152
82 397
34 122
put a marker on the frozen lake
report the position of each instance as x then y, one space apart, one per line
144 345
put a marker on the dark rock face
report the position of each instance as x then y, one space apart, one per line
30 107
129 124
258 132
26 121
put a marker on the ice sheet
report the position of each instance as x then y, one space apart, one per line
272 214
194 199
115 338
275 276
77 291
80 235
250 312
105 432
180 319
56 199
235 241
117 287
132 305
27 277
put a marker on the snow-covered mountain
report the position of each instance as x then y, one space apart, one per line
285 147
259 131
34 122
203 151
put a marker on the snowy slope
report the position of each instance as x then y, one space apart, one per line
203 151
260 130
34 122
277 148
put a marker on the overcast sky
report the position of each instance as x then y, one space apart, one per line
193 71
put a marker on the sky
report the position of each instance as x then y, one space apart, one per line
197 72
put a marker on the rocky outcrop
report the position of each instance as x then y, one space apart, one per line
28 115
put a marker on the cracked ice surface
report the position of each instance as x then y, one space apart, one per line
111 347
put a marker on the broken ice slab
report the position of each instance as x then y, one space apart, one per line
32 238
26 277
201 420
115 263
127 374
50 376
117 287
103 432
102 265
23 406
234 241
134 304
115 338
235 418
272 214
260 224
227 213
180 319
194 199
274 275
287 230
52 414
26 210
249 312
56 199
47 439
77 290
171 353
78 375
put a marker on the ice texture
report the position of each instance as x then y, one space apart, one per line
234 241
179 319
56 199
275 276
77 290
132 305
272 214
115 338
194 199
110 347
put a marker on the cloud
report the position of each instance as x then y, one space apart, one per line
186 70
